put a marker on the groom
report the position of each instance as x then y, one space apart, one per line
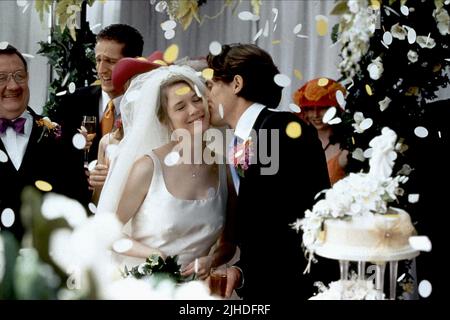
241 91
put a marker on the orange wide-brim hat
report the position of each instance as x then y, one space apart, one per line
126 68
320 92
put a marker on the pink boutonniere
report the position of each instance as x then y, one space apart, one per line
241 156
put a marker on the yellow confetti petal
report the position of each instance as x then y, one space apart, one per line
182 91
160 62
171 53
298 74
353 140
142 59
276 41
369 90
321 25
322 82
294 130
43 185
375 4
208 73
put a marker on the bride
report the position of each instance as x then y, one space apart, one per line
169 209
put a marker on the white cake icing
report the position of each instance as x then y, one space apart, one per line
372 237
348 290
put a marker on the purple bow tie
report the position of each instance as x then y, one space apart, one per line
18 125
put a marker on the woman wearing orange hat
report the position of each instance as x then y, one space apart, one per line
315 98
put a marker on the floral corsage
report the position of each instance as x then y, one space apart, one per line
241 156
154 265
49 128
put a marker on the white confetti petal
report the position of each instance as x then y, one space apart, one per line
421 243
425 288
169 34
295 108
122 245
329 114
59 94
341 99
358 154
27 55
266 29
413 198
401 277
257 35
282 80
22 3
8 217
168 25
79 141
368 153
3 157
412 36
366 124
95 27
172 158
387 38
63 83
72 87
404 10
92 208
161 6
3 45
297 28
421 132
215 48
92 164
247 16
221 110
336 120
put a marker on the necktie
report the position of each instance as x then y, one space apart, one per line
18 125
108 118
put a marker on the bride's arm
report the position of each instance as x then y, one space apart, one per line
133 195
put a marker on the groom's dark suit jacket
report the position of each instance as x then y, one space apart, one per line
69 113
46 159
272 258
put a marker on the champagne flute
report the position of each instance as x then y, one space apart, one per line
89 123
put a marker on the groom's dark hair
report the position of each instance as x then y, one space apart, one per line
10 50
254 65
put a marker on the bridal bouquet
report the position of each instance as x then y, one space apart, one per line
156 265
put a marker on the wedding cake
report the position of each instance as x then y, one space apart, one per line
354 222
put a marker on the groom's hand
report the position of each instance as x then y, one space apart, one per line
233 280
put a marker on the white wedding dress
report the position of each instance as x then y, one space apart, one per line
187 228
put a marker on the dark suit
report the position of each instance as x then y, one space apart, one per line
48 160
69 113
272 258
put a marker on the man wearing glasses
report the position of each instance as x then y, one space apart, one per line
30 149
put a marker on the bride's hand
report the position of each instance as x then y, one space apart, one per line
204 265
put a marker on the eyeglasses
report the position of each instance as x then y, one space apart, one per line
20 77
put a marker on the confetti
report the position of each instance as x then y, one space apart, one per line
92 165
329 114
375 4
412 36
282 80
276 42
172 158
221 110
208 73
404 10
257 35
340 99
322 82
169 34
295 108
387 38
421 243
358 154
368 153
92 208
122 245
3 157
215 48
294 130
413 198
321 25
183 90
161 6
27 55
401 277
3 45
366 124
65 79
421 132
22 3
59 94
43 185
247 16
72 87
266 29
425 288
369 90
8 217
336 120
297 28
171 53
298 74
79 141
168 25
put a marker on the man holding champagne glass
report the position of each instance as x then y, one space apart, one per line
92 111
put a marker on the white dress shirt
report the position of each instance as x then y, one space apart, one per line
242 131
16 143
